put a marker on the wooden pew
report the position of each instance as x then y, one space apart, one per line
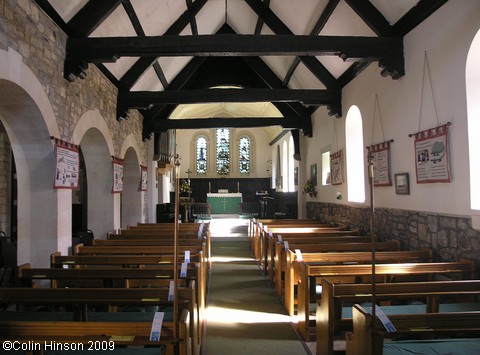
275 260
311 275
57 260
292 271
329 319
157 239
28 275
111 334
258 238
287 290
314 230
430 325
255 224
82 298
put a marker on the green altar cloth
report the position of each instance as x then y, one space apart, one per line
224 203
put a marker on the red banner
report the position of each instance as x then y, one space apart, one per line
67 172
431 155
336 168
117 165
144 178
380 154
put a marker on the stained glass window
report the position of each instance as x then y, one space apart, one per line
244 155
201 155
223 151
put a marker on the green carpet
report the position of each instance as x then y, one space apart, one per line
244 316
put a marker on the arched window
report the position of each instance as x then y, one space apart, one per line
473 111
244 151
355 156
284 166
291 164
201 152
223 151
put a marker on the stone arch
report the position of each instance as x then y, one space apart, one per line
29 121
131 198
93 136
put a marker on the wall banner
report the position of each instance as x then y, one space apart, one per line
67 170
117 165
336 168
431 155
380 154
144 178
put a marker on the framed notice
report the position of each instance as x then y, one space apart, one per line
402 185
336 168
117 165
67 165
380 155
431 155
144 178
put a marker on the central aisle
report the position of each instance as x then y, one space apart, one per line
244 316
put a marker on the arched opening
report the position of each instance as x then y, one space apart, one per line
291 165
37 224
355 156
98 166
131 196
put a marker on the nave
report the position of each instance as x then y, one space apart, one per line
244 315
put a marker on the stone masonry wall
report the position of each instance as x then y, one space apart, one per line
449 237
27 30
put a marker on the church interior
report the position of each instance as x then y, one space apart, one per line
239 176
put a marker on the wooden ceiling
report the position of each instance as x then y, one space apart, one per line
296 54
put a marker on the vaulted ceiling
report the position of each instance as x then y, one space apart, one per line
233 63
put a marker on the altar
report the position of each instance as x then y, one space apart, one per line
224 203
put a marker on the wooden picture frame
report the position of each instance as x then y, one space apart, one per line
402 184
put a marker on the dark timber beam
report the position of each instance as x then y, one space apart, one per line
279 28
91 16
144 99
349 48
237 122
416 15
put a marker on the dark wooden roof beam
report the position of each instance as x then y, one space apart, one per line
327 12
91 16
349 48
144 99
237 122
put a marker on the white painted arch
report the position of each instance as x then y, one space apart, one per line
29 120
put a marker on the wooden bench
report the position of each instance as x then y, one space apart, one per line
82 298
314 230
287 290
292 271
329 320
57 260
109 334
430 325
259 228
158 239
311 275
278 260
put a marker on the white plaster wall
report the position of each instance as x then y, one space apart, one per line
445 37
